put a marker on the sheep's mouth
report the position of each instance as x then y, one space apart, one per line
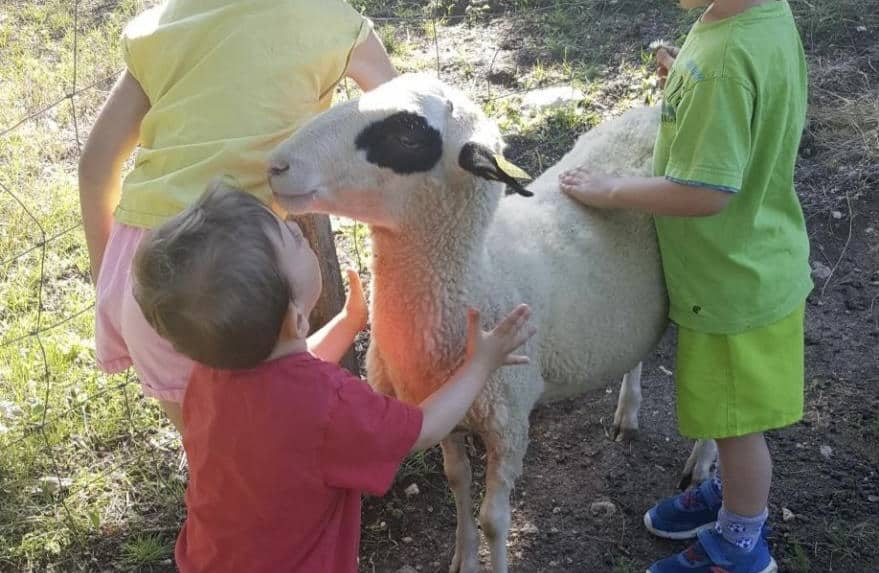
295 202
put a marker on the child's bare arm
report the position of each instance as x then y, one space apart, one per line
370 65
109 144
333 340
654 195
486 352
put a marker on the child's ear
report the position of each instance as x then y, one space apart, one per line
301 321
295 324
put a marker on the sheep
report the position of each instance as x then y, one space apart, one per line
421 164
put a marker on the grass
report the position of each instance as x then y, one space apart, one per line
799 563
626 565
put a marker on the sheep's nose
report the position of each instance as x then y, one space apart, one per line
278 167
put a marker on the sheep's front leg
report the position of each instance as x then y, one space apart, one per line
457 467
699 464
504 452
625 419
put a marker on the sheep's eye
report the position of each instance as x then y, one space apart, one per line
403 142
408 142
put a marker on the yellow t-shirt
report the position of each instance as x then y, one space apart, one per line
227 81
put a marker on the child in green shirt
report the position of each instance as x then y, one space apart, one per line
735 255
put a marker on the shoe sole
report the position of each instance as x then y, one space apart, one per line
771 568
678 535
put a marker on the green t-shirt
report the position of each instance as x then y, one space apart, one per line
733 112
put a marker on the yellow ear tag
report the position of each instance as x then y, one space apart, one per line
510 169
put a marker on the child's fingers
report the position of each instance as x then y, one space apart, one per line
354 282
523 335
513 321
472 323
519 337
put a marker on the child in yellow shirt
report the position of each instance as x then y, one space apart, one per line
210 87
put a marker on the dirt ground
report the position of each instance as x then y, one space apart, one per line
825 466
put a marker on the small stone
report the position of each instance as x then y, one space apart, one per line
826 451
552 97
861 28
787 515
383 525
836 215
553 563
603 508
530 529
873 498
665 370
407 540
556 510
9 410
821 271
412 490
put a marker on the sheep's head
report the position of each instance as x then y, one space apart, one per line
413 139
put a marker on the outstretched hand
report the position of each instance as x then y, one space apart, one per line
496 346
592 189
355 303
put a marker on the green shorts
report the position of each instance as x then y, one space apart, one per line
736 384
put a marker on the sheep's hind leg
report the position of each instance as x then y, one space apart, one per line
504 452
699 464
625 419
457 467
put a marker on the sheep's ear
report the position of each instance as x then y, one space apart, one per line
483 162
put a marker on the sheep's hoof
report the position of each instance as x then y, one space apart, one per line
623 435
470 566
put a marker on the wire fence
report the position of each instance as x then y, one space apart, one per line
31 323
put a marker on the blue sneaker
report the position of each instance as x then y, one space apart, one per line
714 554
682 516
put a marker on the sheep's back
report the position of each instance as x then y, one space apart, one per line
593 277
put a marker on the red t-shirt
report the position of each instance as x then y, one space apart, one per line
278 457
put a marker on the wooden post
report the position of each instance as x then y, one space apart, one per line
319 233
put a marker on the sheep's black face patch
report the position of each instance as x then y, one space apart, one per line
404 143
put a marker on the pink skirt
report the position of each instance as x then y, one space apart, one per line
123 337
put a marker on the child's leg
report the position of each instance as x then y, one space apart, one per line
174 411
123 338
163 372
747 473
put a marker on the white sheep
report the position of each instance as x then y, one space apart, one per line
418 161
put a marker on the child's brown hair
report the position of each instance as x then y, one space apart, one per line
208 279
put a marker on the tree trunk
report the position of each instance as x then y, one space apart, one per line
319 233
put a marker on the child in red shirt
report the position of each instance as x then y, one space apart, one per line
280 440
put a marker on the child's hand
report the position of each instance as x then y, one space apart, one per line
355 304
496 347
588 189
665 59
